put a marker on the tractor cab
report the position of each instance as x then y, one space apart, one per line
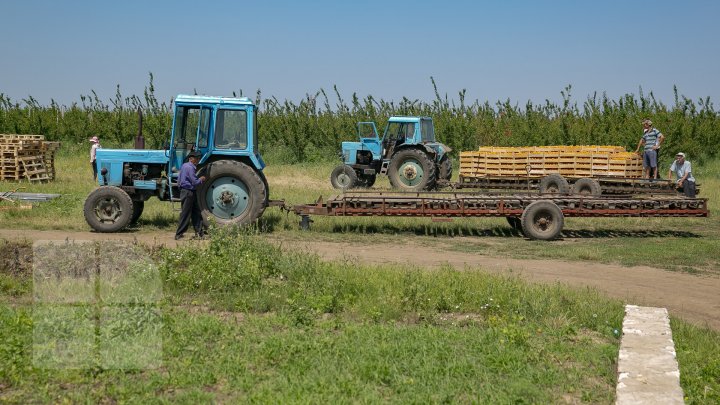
217 127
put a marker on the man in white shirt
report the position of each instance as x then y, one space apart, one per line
93 150
683 170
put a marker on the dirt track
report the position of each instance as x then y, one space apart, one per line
694 298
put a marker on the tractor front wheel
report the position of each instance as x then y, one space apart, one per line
344 177
412 170
108 209
233 193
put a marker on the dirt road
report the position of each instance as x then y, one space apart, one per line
691 297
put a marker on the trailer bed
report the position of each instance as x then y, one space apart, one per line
520 206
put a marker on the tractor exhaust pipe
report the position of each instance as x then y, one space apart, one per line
139 139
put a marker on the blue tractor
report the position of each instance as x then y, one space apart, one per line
408 154
223 130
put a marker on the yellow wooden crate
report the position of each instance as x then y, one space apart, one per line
571 161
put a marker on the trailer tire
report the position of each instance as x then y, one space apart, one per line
233 193
108 209
445 168
514 223
138 207
412 170
554 184
587 187
542 220
344 177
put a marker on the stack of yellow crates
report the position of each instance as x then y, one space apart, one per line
539 161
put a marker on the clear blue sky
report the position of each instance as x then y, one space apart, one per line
521 50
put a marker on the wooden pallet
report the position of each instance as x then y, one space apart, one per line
15 147
34 168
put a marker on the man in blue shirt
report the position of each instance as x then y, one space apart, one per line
651 139
188 182
683 170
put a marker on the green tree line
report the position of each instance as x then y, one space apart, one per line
312 129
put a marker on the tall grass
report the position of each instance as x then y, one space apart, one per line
312 128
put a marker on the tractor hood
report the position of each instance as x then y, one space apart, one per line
132 156
112 160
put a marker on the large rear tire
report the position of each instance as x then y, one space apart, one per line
412 170
542 220
108 209
445 168
554 184
344 177
233 193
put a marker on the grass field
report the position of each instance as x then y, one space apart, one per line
244 322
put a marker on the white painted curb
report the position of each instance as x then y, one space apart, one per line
647 368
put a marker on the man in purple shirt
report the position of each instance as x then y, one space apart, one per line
188 181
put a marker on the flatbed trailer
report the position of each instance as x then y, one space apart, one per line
584 186
537 216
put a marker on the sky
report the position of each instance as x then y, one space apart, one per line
521 50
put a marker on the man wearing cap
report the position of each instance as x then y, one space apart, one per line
683 170
188 182
93 152
651 139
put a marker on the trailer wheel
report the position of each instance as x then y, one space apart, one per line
138 207
108 209
514 223
587 186
367 180
233 194
542 220
554 184
412 170
445 168
344 177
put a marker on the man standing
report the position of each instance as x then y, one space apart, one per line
651 139
93 152
188 182
683 170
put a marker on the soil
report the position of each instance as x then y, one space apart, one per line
695 298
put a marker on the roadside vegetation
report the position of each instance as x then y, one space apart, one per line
244 321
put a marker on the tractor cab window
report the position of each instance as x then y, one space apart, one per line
428 131
231 129
192 127
400 132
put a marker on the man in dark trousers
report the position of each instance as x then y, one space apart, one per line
188 182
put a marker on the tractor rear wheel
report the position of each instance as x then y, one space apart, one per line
108 209
344 177
554 184
412 170
232 194
542 220
445 168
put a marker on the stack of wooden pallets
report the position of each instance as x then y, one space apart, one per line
539 161
27 157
